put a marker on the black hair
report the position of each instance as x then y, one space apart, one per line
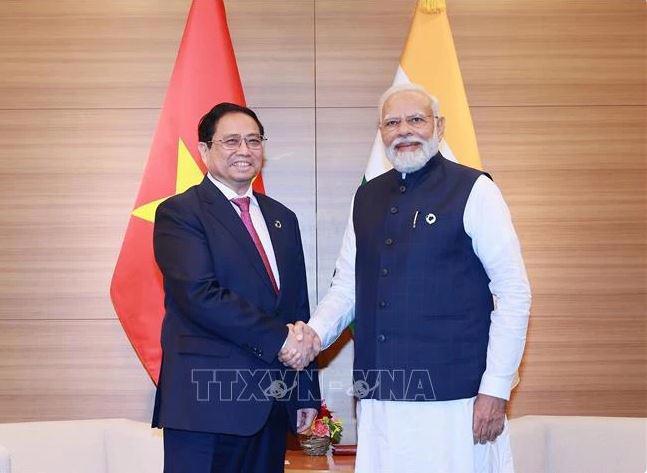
209 121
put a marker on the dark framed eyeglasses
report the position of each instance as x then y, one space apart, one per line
233 142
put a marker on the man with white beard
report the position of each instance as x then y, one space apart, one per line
431 272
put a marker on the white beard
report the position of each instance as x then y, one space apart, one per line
412 161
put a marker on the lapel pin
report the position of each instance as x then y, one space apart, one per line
277 223
431 219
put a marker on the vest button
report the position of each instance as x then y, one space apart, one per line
403 189
381 337
384 271
389 241
382 304
394 210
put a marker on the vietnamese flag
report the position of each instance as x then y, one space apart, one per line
205 73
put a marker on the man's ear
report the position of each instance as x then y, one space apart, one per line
204 151
440 123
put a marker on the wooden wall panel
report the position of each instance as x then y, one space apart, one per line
102 54
581 354
289 174
358 48
274 44
621 403
531 52
120 54
575 181
344 139
70 369
69 180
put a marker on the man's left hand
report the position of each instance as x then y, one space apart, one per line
489 418
305 418
309 345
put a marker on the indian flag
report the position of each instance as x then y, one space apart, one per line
429 59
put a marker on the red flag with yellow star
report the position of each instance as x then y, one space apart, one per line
205 74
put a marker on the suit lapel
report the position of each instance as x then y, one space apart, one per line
274 222
221 209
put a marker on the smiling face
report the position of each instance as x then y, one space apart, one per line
235 168
409 130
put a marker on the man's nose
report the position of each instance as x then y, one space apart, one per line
404 129
243 148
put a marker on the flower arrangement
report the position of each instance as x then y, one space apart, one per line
325 425
325 429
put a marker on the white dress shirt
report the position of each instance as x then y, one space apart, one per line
257 220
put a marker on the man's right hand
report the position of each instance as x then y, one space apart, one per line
301 346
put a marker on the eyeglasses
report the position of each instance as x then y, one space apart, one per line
415 121
233 142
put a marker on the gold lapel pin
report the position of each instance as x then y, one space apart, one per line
430 219
277 223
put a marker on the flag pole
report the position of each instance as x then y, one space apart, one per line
433 6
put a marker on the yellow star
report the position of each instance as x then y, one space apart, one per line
188 174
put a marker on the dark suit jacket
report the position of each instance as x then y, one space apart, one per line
224 324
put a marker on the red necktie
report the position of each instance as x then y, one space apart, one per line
243 205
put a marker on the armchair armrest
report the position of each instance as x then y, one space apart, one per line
147 456
5 460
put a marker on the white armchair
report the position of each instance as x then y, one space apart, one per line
5 461
565 444
85 446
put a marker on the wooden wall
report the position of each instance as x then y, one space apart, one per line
557 91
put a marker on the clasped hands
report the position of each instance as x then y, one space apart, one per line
301 347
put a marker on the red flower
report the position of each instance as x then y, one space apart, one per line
324 411
319 429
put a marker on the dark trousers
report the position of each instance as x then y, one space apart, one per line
202 452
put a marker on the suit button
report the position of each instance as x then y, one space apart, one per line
394 210
384 272
403 189
381 338
382 304
389 241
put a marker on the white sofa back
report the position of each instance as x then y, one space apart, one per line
85 446
540 444
564 444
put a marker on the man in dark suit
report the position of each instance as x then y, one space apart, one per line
234 281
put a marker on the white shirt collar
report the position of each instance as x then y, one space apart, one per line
229 192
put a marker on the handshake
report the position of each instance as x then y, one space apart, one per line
301 347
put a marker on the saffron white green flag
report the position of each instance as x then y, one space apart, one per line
429 59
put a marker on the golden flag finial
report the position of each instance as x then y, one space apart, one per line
433 6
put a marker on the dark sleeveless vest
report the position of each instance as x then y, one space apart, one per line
422 310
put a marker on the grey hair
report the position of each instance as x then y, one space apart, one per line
409 87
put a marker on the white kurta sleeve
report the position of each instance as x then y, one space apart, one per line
337 309
487 221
